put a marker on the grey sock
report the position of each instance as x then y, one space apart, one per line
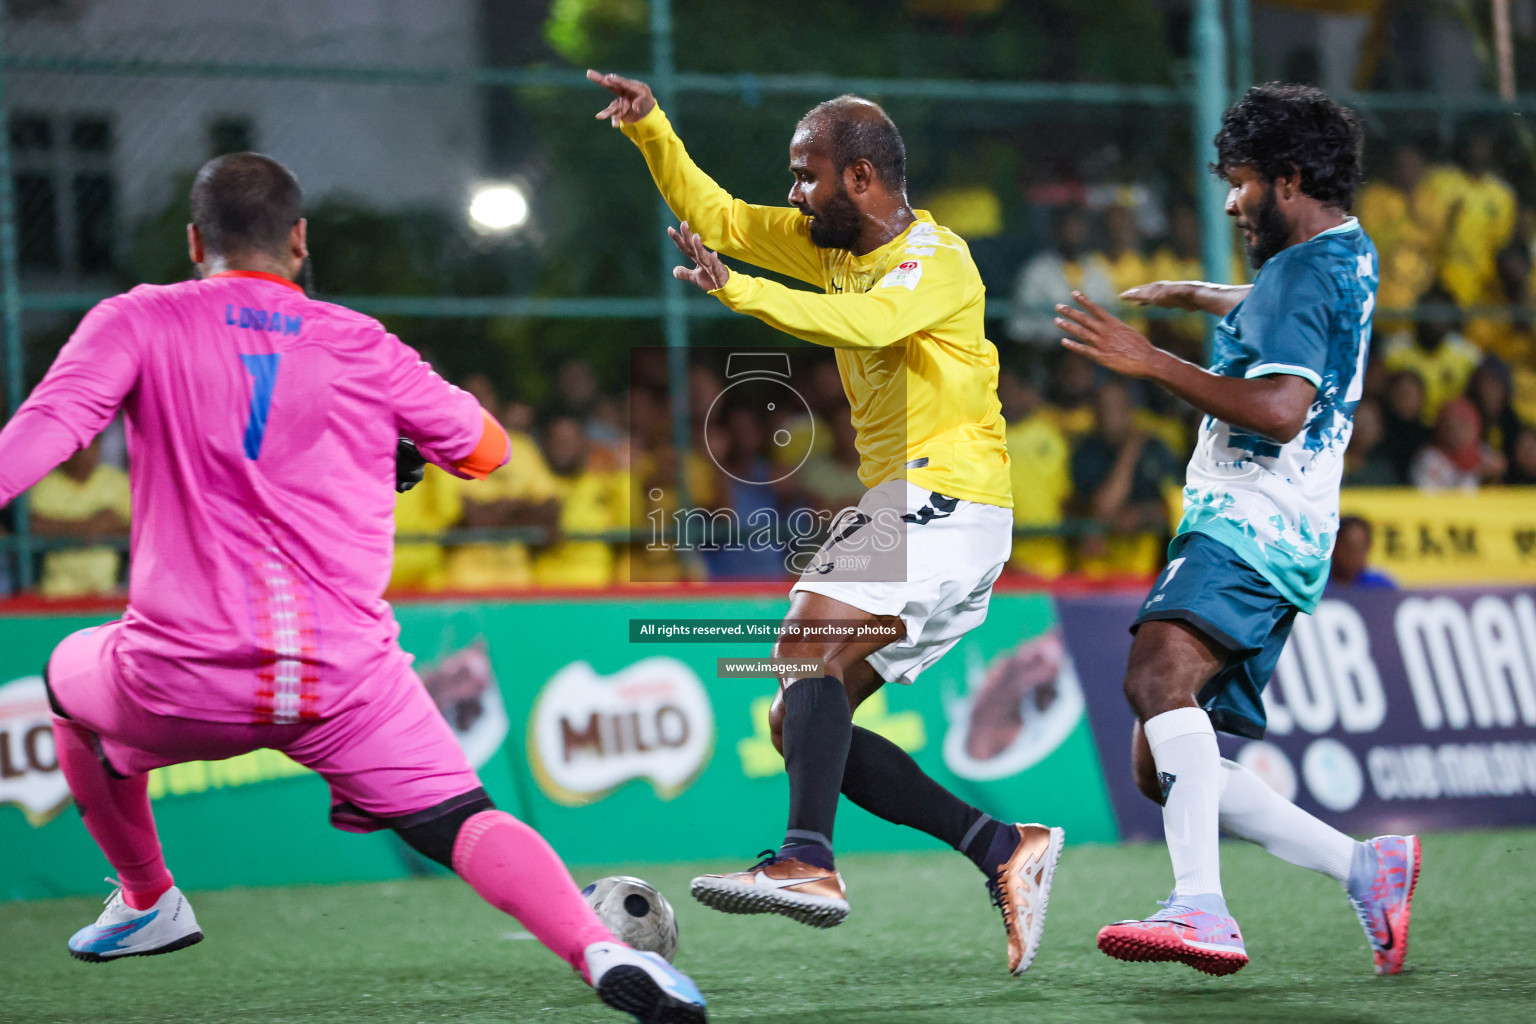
1362 869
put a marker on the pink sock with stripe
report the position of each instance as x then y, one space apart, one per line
517 872
117 814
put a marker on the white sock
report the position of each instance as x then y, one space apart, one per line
1184 747
1251 810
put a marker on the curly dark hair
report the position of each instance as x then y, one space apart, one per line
1278 129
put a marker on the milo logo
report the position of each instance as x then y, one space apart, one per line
29 766
592 733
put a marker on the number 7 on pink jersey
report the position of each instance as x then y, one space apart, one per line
263 370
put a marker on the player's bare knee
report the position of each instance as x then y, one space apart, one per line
1147 781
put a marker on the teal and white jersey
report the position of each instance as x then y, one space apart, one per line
1277 505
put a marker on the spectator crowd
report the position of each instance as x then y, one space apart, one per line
597 493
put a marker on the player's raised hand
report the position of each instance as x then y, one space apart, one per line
632 100
1168 294
708 271
1106 339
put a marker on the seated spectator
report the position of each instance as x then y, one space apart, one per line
1179 260
1508 332
88 500
967 204
1365 463
752 490
655 556
1039 465
1074 379
829 482
522 493
575 391
1121 477
1403 429
1522 467
1052 275
1402 234
811 435
1436 351
1351 558
1472 213
432 506
1490 393
594 498
1128 266
517 415
1457 458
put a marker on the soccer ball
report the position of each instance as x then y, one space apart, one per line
635 912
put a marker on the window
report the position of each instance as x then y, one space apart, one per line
66 194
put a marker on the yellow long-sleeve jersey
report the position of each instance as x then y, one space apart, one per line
906 321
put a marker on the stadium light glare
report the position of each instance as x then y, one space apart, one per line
498 208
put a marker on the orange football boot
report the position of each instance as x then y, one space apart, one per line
775 885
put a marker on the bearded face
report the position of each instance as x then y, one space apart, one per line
838 223
1266 233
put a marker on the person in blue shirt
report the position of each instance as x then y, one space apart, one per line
1352 559
1261 515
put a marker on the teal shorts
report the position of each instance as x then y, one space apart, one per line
1208 586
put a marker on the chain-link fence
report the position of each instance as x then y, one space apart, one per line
458 188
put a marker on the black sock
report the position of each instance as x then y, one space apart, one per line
886 782
817 724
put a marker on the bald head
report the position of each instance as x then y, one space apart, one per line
850 128
246 204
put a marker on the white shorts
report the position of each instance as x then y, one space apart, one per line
954 552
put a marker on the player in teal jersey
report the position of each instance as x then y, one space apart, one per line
1261 512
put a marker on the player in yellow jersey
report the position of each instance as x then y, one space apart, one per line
903 307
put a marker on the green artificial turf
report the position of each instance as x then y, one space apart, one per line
922 945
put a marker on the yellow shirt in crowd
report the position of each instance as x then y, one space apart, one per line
1127 270
503 565
1405 247
596 500
1445 371
1040 462
906 321
1474 218
431 506
79 572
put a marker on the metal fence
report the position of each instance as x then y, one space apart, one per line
475 298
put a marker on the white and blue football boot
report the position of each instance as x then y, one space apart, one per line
643 985
121 931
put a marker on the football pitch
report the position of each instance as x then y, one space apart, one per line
922 945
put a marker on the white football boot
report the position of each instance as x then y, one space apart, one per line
121 931
643 984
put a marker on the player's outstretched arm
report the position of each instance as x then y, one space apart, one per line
1273 406
772 237
77 398
1198 296
907 300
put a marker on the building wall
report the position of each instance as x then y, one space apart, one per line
390 146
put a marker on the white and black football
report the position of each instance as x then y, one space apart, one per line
635 912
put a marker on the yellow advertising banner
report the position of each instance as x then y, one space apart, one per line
1451 537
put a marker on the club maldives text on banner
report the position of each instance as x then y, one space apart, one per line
619 752
1388 712
1450 538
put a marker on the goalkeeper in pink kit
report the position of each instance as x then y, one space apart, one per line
262 429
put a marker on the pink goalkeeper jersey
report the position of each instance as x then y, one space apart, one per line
262 428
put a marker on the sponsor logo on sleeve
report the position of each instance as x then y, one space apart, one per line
904 275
